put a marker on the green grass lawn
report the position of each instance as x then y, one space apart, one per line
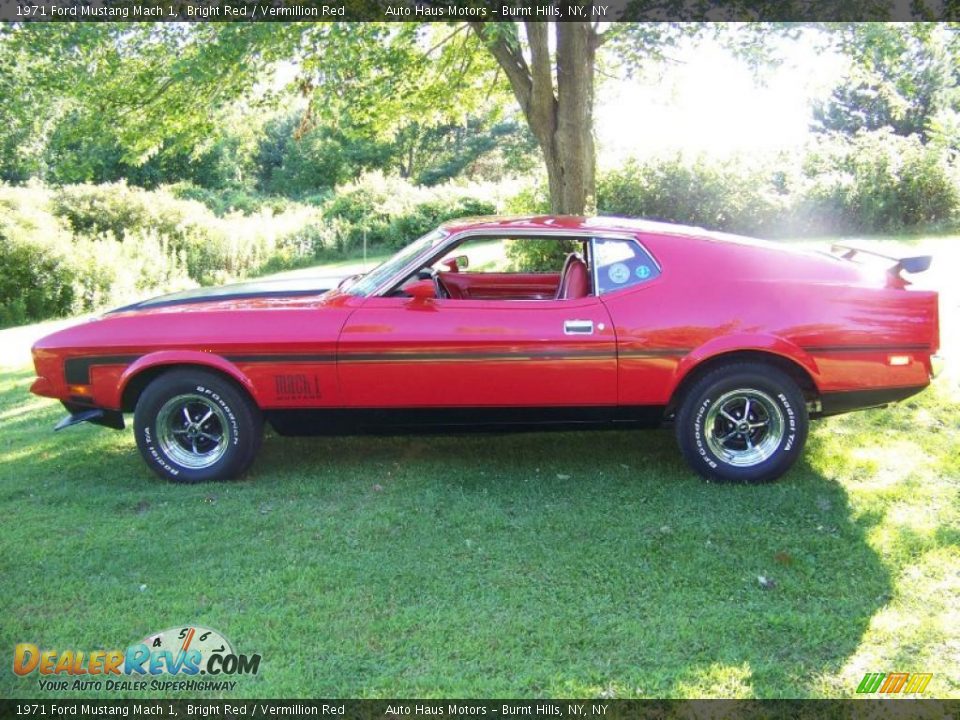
553 564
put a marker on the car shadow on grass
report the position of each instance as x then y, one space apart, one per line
523 565
601 565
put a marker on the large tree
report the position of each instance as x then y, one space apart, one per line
162 86
556 96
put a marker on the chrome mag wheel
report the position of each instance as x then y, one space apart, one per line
744 427
193 431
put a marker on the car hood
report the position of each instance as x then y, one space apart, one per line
229 316
254 290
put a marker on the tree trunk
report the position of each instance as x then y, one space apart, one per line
574 190
561 119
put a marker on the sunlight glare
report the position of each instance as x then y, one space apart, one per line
709 102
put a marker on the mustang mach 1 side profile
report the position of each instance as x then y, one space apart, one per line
514 323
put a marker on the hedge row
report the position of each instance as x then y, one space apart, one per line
875 183
77 248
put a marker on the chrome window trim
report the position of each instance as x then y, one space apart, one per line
595 269
454 239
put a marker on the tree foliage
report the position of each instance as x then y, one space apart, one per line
902 76
165 88
201 102
159 103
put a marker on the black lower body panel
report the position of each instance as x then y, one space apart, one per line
457 420
836 403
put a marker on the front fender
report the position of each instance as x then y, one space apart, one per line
183 357
757 342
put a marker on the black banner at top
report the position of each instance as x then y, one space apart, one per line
477 10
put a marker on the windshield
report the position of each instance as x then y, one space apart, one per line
366 284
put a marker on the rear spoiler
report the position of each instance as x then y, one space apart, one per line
915 264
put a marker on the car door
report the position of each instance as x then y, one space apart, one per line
397 352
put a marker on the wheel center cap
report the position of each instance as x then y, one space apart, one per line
743 427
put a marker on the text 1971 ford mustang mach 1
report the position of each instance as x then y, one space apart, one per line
738 342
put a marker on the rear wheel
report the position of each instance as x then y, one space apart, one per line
744 422
193 425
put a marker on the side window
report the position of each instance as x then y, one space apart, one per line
622 264
510 255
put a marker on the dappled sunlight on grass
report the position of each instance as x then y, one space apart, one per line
908 517
907 488
917 630
885 465
23 409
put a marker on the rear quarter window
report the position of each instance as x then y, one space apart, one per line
622 263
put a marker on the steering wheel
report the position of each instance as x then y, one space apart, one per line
429 273
442 292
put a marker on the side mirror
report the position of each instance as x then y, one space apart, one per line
455 264
421 290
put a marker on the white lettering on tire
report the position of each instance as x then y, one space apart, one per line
235 426
792 421
156 455
698 433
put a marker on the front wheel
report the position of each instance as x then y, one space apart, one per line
743 422
192 426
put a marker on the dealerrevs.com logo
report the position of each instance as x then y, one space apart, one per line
183 653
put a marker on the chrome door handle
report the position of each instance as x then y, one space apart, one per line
578 327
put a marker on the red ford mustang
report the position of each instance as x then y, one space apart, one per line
559 322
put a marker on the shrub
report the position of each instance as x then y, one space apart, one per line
729 195
117 209
109 273
531 199
35 284
527 255
876 182
48 272
391 212
78 248
211 249
228 200
36 281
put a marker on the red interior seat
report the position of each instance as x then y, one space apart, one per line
574 279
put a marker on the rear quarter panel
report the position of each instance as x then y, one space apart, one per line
716 297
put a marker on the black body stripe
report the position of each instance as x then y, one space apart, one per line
516 355
865 348
251 295
654 352
77 370
281 358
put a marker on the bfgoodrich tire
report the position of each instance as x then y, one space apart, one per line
744 422
193 426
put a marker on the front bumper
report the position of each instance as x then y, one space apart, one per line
43 387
